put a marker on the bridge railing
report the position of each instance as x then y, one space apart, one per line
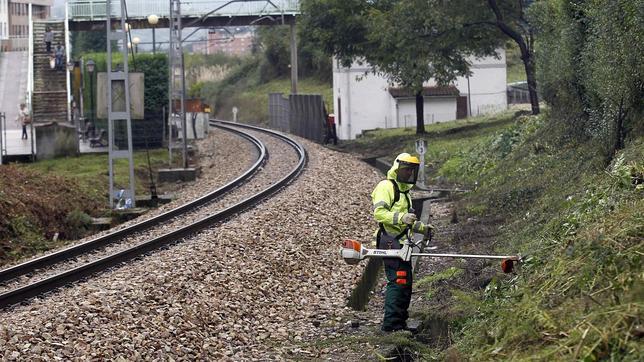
96 9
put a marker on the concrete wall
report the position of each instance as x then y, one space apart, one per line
436 109
365 102
488 85
55 140
362 101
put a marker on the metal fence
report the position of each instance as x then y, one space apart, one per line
95 9
279 111
299 114
518 93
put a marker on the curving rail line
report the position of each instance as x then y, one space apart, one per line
91 245
67 277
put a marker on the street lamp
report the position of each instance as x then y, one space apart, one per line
70 69
91 66
153 20
136 40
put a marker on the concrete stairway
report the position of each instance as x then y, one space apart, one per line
49 102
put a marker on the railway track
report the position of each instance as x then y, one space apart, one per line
202 210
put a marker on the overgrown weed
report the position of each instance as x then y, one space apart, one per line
579 293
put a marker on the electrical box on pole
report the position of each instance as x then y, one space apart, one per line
118 110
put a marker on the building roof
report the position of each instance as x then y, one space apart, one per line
437 91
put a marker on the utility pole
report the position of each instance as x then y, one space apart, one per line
177 77
119 113
293 59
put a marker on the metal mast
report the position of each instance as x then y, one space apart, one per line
118 101
177 78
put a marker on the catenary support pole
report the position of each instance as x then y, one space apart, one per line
293 59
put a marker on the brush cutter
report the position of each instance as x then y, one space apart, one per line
353 251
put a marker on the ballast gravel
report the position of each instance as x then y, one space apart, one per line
251 288
216 175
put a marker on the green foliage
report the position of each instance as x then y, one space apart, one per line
274 52
252 100
77 223
578 292
590 69
88 41
409 42
448 273
275 58
90 170
515 67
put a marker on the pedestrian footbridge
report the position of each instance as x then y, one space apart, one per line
91 14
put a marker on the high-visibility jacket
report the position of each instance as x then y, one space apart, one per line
389 212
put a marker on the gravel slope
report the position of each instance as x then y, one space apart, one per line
248 289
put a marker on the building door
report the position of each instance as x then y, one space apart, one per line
461 107
339 111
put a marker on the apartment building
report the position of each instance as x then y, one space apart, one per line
231 43
14 21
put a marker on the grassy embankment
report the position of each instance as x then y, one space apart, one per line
91 172
579 221
60 196
251 98
581 224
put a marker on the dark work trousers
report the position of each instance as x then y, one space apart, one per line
48 46
24 132
331 135
398 294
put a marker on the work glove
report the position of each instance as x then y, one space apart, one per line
428 232
409 218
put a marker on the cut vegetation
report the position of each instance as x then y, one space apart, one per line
578 220
45 204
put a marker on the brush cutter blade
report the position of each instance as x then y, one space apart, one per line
507 265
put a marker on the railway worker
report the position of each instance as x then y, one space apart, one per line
392 204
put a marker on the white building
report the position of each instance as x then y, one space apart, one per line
4 21
367 101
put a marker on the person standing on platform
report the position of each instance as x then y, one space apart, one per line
24 119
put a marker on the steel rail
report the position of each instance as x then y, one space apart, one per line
79 249
47 285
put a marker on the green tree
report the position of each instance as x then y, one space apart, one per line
273 44
87 42
510 16
591 71
407 41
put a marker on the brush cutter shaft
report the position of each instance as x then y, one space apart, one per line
470 256
353 251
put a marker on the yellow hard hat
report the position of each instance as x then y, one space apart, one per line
405 157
